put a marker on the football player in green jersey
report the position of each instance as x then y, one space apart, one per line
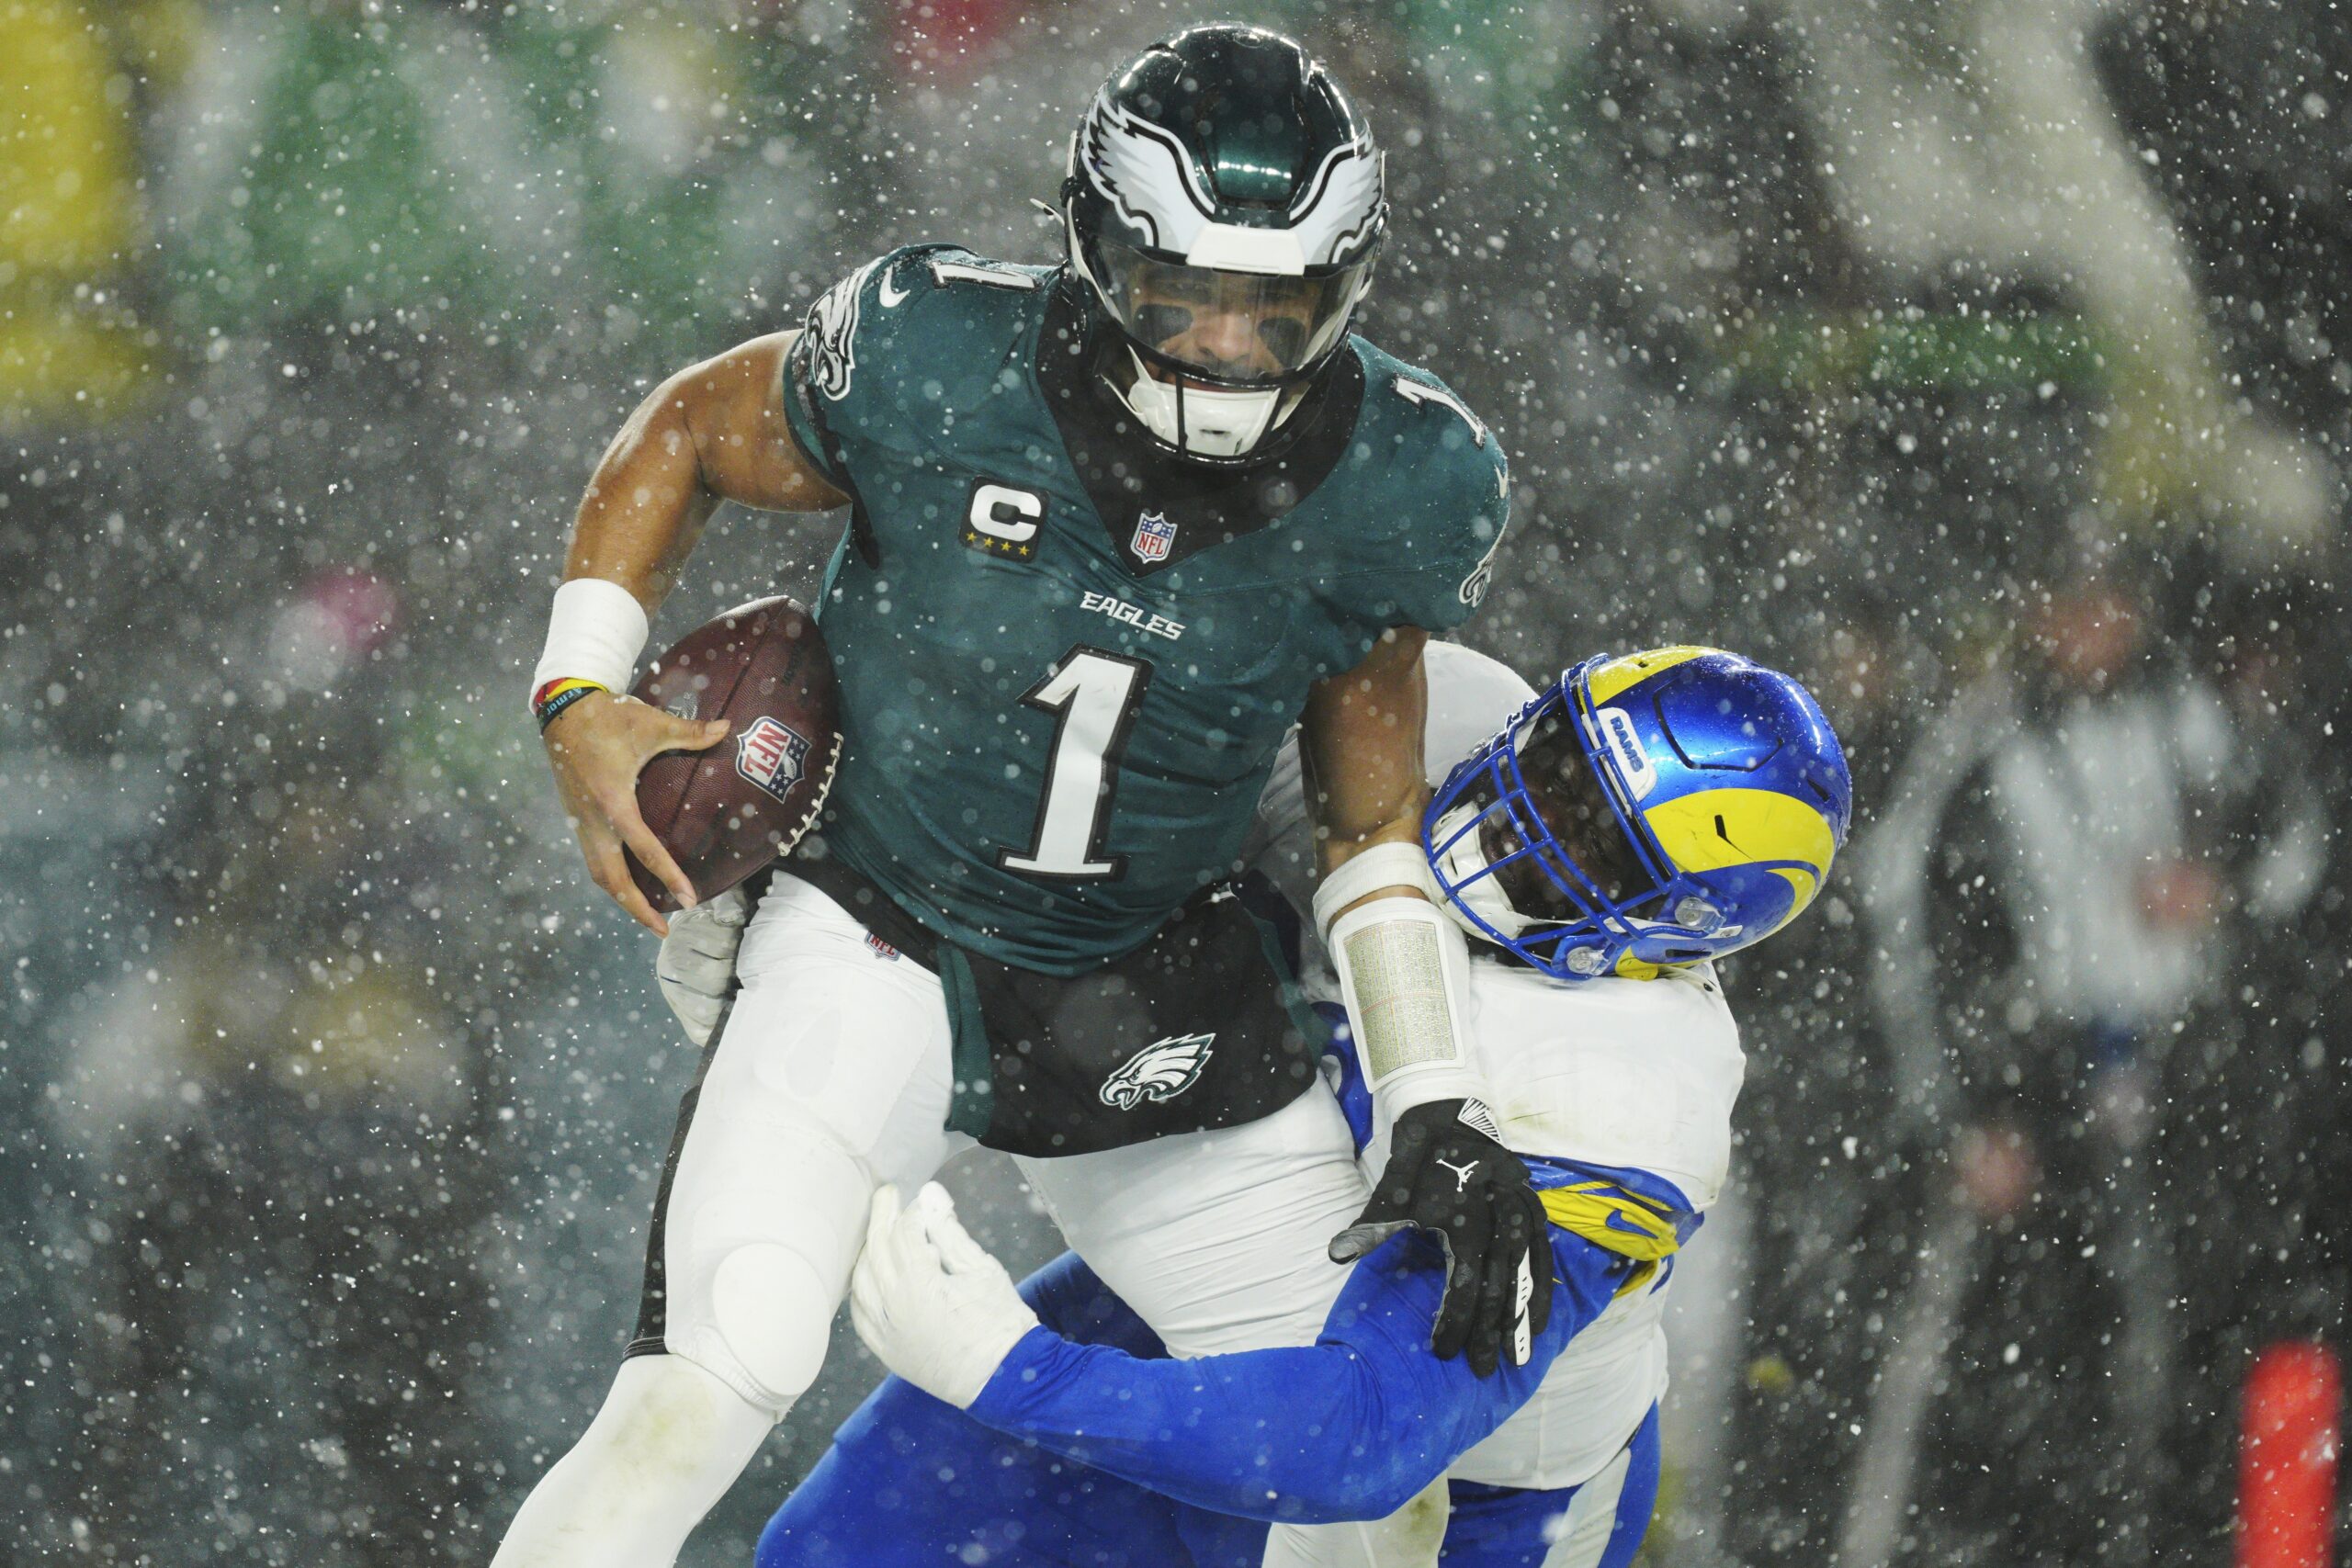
1115 527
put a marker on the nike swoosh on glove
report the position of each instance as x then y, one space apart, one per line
1449 1174
695 966
933 1304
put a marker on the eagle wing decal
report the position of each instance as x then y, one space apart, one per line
1143 172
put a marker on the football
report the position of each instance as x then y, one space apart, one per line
725 812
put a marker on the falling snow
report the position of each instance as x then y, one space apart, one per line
1988 365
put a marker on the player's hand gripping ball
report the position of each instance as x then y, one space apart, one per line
725 812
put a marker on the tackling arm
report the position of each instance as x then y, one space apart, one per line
1349 1427
1404 975
714 432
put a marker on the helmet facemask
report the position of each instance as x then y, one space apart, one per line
1212 361
1222 212
1534 852
1691 811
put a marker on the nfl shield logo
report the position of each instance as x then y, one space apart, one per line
771 755
1154 535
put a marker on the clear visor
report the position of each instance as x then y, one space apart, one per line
1230 326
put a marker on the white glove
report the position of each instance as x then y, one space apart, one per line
696 966
931 1301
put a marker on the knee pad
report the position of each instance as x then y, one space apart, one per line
766 1256
772 1311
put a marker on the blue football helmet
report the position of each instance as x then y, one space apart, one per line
1646 811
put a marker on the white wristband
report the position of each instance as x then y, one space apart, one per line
1369 871
1404 971
596 631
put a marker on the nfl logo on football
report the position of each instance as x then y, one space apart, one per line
1154 535
771 755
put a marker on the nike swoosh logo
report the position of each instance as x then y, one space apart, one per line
891 296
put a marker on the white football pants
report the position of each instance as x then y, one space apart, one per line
830 1075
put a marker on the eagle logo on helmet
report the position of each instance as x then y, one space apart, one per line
1160 1071
1143 172
1151 181
1342 203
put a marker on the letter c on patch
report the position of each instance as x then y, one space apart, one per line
1002 513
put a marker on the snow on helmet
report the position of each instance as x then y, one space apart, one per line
1654 809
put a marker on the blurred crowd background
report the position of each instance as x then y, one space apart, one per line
1985 361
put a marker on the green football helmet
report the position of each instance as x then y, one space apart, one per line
1223 208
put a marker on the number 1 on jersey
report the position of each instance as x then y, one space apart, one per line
1093 696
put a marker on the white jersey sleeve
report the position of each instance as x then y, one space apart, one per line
1623 1075
1470 697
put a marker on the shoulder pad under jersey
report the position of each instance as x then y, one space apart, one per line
1444 491
892 352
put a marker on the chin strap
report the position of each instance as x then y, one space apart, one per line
1207 424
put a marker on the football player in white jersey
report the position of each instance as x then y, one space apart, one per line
1643 815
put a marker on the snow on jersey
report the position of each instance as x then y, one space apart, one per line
1067 662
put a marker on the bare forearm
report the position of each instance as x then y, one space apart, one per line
645 505
1361 744
1368 784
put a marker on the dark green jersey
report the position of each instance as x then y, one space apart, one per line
1067 659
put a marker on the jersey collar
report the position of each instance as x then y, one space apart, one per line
1127 475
